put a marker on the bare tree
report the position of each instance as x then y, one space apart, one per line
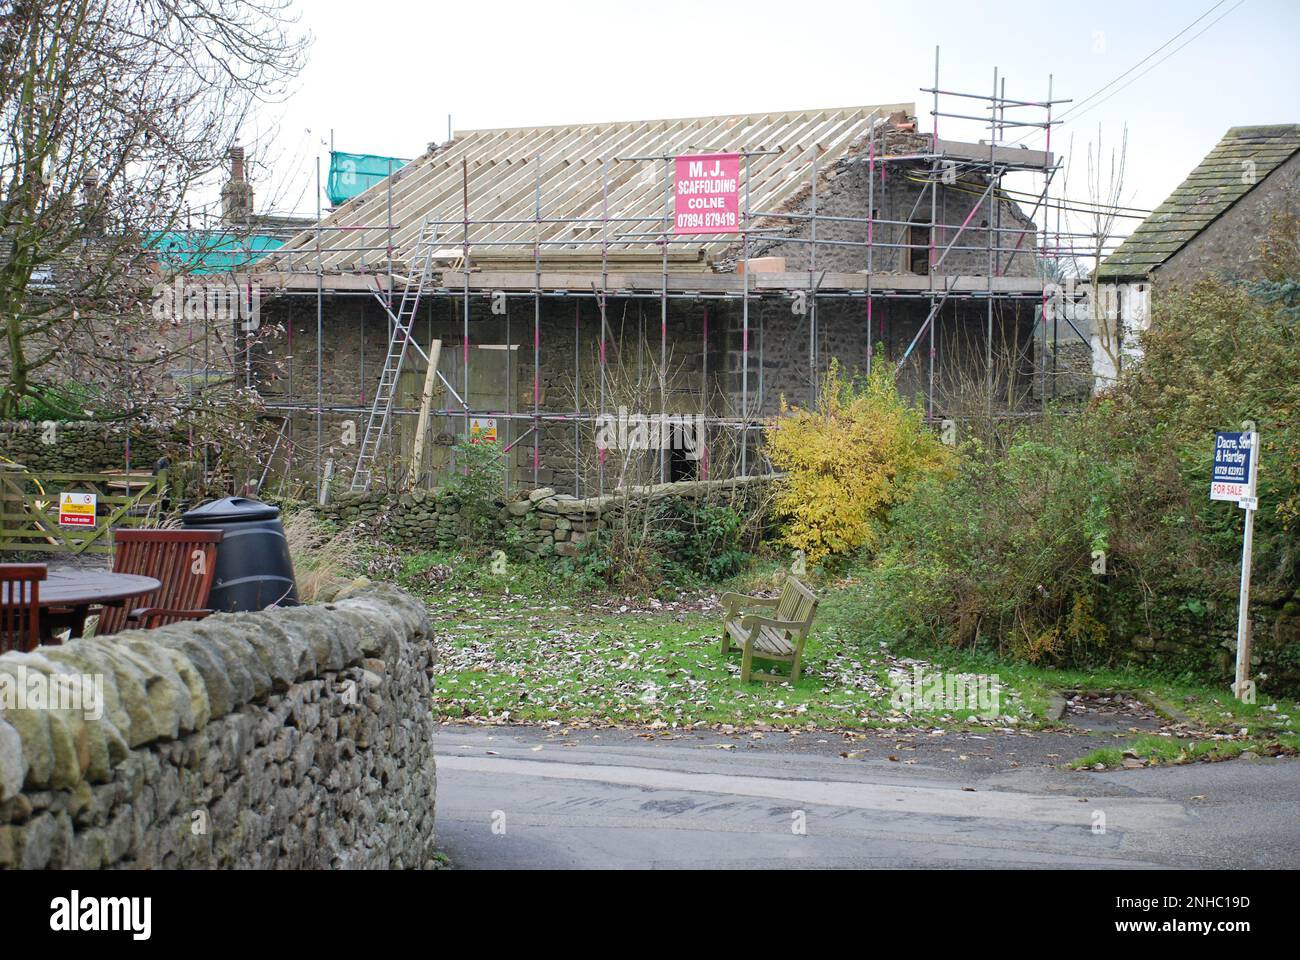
111 111
1105 192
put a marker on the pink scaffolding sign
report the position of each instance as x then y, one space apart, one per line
708 194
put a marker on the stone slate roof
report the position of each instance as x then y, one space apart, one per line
1210 190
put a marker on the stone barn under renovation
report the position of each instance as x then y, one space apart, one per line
572 318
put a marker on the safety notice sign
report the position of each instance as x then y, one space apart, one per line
77 509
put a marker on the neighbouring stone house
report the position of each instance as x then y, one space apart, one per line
1214 224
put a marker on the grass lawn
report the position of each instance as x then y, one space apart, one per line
1197 705
524 646
521 647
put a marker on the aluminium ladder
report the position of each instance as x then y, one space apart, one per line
399 342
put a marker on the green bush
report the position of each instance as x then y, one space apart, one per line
70 402
661 545
714 548
476 484
1002 555
707 542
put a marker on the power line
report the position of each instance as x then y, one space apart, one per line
1100 90
1168 55
1103 89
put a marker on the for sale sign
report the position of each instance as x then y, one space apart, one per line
708 193
1233 477
77 509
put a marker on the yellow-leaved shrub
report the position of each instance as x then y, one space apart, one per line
849 461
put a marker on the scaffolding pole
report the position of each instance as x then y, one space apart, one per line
537 323
744 337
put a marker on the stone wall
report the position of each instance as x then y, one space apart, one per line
541 523
355 340
294 738
1208 643
705 374
779 351
85 447
901 195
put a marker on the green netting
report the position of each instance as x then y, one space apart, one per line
355 173
203 251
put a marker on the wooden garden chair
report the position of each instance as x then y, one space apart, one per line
20 605
780 636
184 561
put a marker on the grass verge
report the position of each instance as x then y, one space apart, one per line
1157 751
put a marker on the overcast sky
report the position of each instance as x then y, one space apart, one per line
384 74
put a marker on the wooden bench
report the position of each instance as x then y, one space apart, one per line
779 637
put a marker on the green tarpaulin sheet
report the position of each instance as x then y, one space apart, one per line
355 173
202 251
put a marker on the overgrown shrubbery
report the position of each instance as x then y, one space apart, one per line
1217 357
1007 551
654 544
1003 549
849 461
710 542
476 483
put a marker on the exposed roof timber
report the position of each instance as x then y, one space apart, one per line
503 165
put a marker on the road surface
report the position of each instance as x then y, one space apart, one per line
532 797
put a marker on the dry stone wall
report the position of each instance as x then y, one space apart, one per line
83 447
542 523
294 738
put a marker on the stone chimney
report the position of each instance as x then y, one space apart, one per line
92 217
237 194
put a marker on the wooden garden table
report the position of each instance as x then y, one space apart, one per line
68 595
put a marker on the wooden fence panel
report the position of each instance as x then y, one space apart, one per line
29 509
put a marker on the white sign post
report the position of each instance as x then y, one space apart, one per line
1235 476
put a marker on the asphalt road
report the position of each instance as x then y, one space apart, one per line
529 797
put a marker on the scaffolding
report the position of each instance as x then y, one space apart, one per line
934 167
